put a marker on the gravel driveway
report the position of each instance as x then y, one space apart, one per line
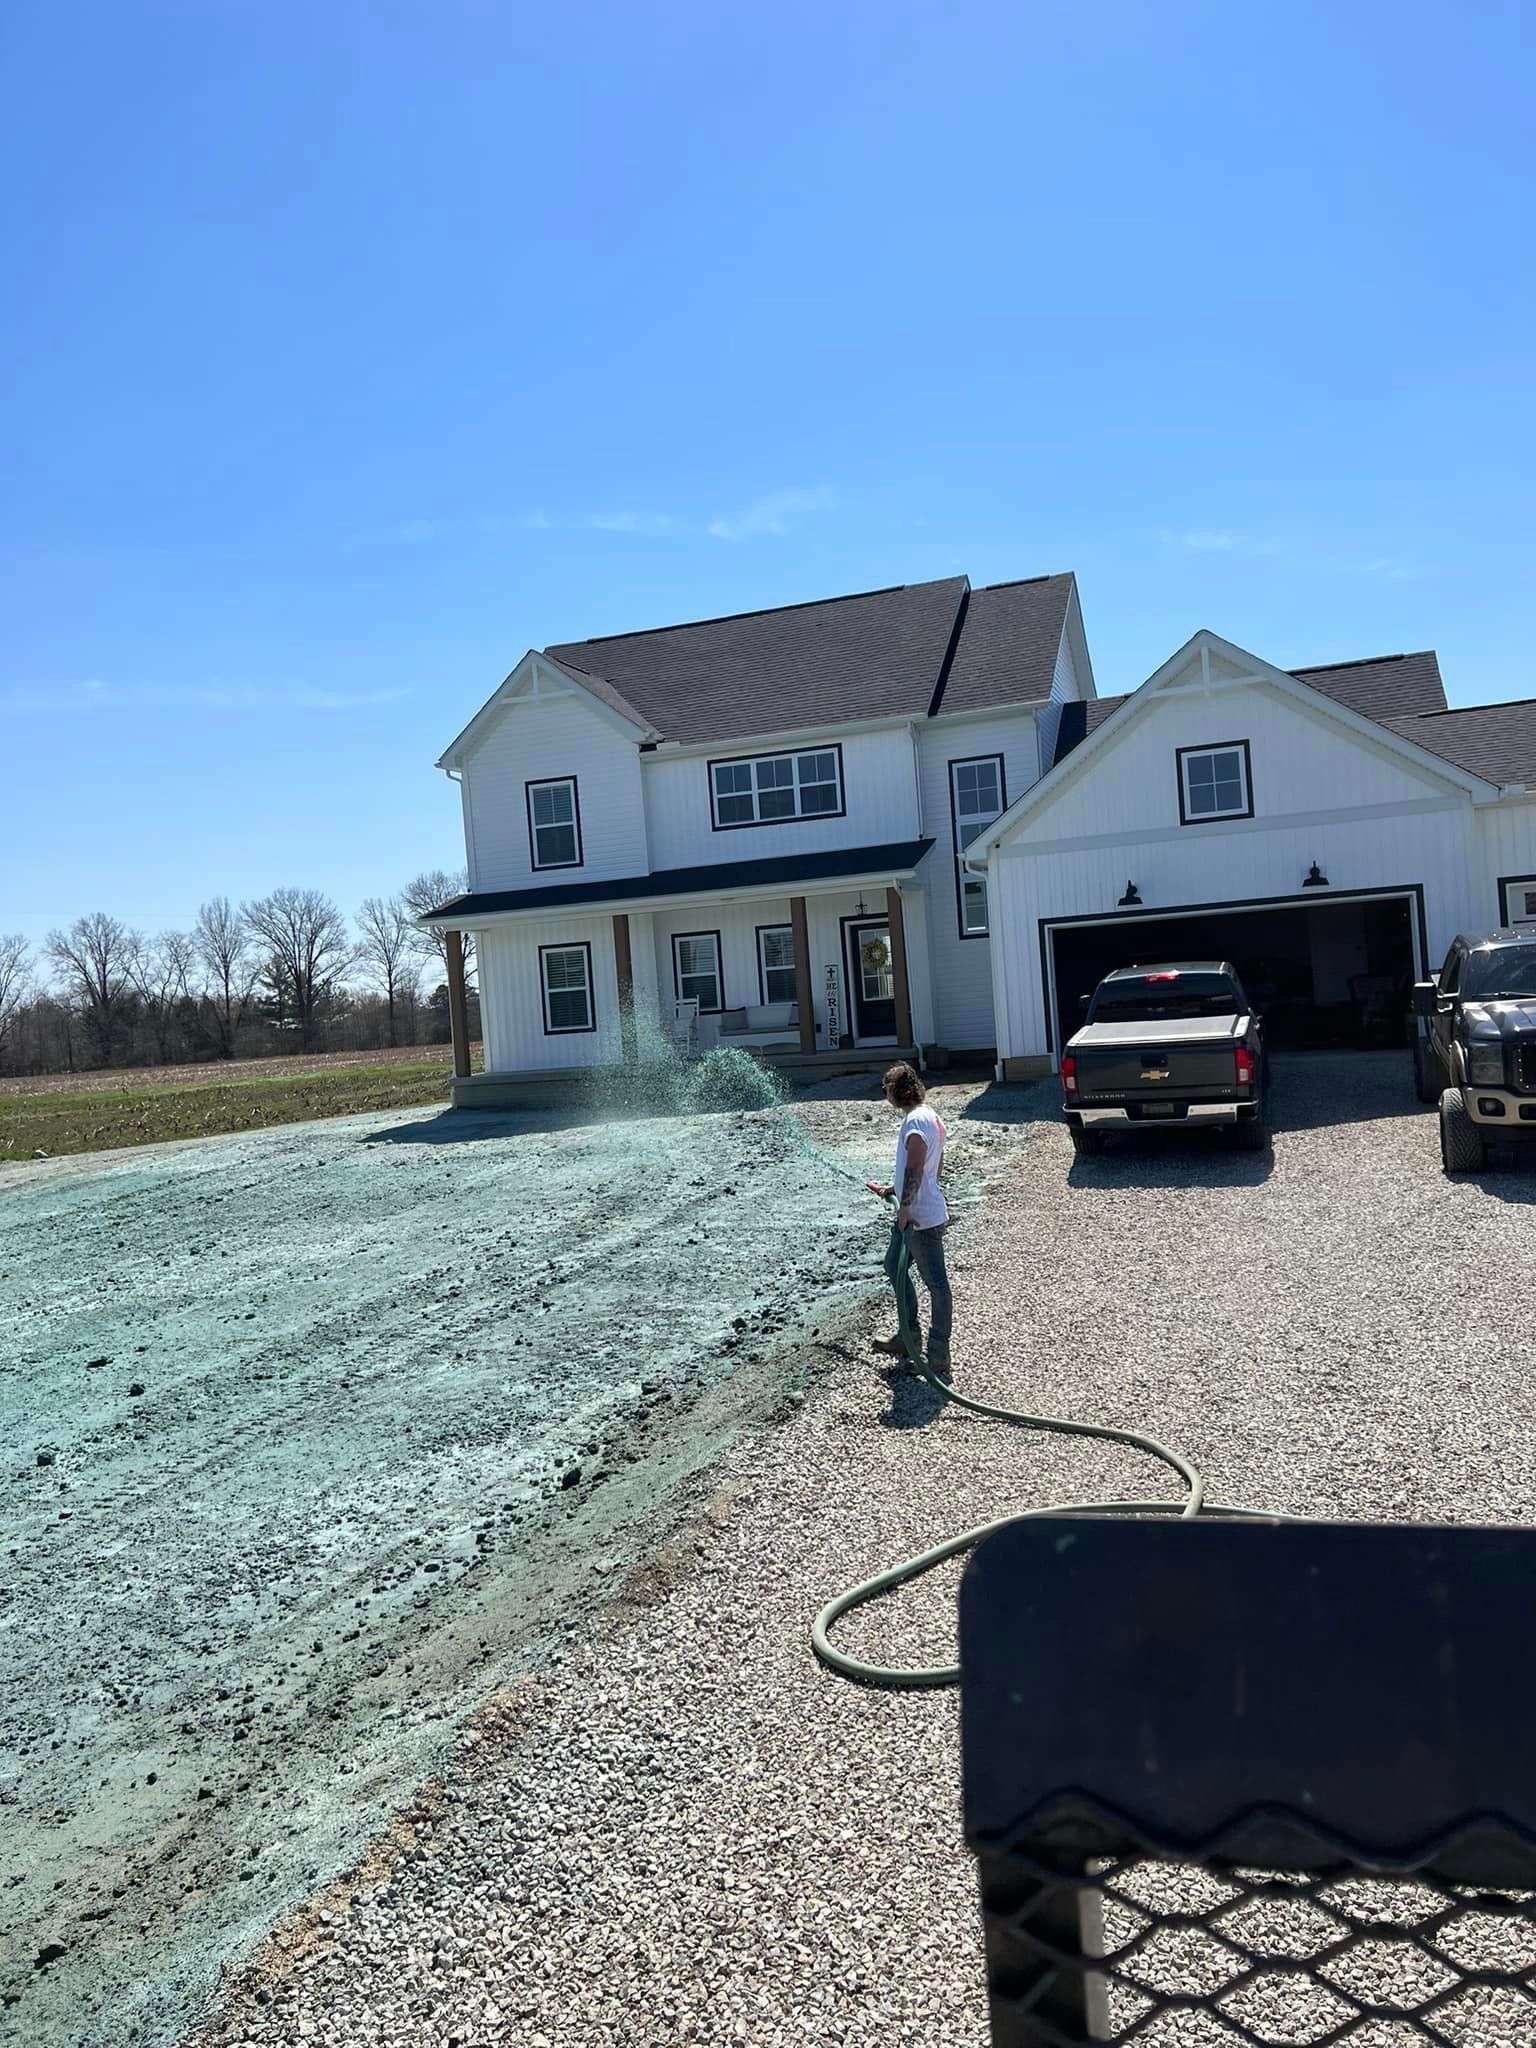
684 1831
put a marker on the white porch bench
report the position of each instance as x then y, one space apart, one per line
762 1024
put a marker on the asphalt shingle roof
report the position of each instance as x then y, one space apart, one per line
881 653
781 870
1496 741
1006 653
1385 686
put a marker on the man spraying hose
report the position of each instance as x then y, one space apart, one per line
922 1208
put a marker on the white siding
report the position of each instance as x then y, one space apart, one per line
542 738
737 925
1320 794
961 968
1302 761
877 788
1507 834
512 1000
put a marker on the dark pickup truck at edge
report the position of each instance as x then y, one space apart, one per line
1166 1048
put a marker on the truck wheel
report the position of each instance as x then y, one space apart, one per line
1430 1079
1463 1149
1252 1136
1086 1141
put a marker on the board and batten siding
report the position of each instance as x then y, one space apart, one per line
1507 834
535 740
878 792
737 925
1302 761
512 996
961 968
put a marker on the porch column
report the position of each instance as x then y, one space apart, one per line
458 1010
899 967
624 966
802 939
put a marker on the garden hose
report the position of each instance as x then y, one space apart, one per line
899 1679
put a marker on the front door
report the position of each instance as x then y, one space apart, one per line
872 978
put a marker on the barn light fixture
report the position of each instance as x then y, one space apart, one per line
1131 897
1316 879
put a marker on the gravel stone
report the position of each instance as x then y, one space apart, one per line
682 1830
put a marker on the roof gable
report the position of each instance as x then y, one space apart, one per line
1207 665
538 680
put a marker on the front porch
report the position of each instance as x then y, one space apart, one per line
830 979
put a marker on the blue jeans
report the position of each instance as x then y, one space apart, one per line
928 1257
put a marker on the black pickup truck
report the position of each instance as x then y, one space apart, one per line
1165 1048
1477 1053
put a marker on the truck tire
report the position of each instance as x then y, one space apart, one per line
1252 1135
1087 1142
1463 1148
1430 1078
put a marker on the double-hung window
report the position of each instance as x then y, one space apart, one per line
776 962
696 970
772 789
554 823
565 977
977 795
1214 782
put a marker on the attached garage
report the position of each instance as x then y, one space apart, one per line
1229 810
1333 972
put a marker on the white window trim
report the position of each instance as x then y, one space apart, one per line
972 931
795 817
553 782
1188 815
584 948
715 1009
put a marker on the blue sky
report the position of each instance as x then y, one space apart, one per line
349 350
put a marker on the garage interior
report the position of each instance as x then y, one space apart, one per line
1325 974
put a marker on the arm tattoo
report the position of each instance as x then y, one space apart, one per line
912 1174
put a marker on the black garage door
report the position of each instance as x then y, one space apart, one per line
1323 974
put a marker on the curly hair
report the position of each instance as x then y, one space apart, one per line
903 1090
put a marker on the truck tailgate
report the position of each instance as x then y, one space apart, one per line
1190 1056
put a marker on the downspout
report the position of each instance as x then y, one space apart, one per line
999 986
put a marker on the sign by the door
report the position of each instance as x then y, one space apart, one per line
834 1018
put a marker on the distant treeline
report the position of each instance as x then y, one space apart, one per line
284 973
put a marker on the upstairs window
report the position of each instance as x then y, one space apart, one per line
772 789
1214 782
554 823
977 795
565 975
696 970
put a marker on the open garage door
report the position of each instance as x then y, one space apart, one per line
1336 972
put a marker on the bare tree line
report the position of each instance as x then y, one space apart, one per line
285 972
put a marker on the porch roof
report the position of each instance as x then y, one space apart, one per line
716 878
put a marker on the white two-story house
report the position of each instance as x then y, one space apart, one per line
751 829
903 822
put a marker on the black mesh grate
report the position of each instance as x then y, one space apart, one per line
1524 1075
1179 1955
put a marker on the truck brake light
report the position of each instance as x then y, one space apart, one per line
1168 974
1069 1072
1244 1067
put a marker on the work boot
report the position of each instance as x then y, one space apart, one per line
893 1347
938 1365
